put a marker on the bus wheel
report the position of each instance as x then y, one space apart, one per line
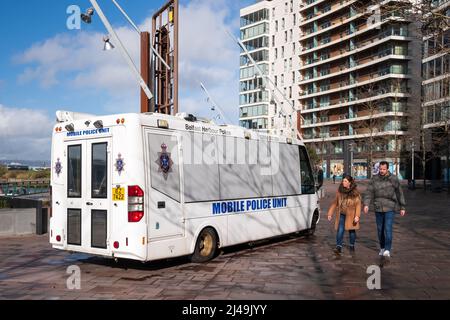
206 246
313 223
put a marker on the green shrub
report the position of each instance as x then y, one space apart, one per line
3 171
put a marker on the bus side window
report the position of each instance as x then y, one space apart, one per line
307 177
200 167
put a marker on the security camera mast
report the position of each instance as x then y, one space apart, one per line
158 76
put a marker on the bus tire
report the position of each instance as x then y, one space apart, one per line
314 220
205 247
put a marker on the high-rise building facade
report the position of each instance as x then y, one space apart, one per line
436 94
351 67
359 80
270 33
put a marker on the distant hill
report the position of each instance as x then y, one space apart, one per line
30 163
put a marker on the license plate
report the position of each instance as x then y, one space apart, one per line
118 194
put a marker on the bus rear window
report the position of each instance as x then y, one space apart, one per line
99 167
74 172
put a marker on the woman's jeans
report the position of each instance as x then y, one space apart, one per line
341 231
385 220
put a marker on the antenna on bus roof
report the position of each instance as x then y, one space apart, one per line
215 106
267 78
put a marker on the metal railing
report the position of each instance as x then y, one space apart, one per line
26 187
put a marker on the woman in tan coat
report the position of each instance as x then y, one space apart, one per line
347 206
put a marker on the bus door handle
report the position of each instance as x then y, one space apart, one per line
89 204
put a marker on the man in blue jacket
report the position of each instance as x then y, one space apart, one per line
385 192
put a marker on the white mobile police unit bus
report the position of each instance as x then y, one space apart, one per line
153 186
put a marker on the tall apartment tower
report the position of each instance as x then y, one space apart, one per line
270 32
359 79
436 95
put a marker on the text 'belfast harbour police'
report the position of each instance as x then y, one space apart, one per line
248 205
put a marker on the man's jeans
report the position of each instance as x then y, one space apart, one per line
385 220
341 230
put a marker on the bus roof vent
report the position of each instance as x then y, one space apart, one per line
187 117
68 116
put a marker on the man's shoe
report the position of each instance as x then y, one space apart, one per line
381 252
386 253
352 249
338 250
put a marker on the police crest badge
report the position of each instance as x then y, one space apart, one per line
120 164
164 161
58 167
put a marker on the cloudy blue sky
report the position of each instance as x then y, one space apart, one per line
44 67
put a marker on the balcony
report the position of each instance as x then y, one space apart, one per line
338 38
345 52
345 68
306 6
319 15
339 22
362 80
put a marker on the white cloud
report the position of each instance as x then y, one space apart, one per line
207 54
24 134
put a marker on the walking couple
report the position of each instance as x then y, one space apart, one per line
384 192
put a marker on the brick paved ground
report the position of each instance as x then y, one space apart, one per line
291 268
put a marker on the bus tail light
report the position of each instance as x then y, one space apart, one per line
135 204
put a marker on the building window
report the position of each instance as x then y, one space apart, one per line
325 25
255 17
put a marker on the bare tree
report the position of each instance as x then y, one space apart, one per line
372 125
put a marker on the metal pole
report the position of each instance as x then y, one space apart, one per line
176 8
219 109
145 69
139 31
413 186
126 16
123 51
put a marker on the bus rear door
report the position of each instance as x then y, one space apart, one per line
89 196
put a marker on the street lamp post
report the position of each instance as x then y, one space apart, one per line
413 182
351 158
